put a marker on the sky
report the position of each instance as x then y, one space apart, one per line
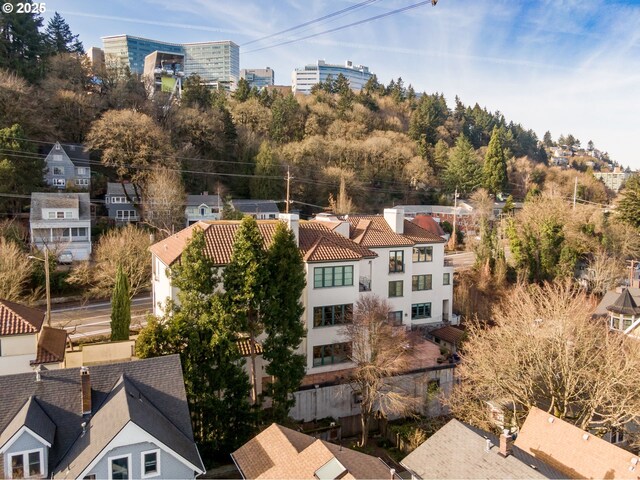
567 66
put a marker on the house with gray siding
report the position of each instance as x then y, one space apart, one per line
203 207
258 209
117 421
61 222
123 202
67 166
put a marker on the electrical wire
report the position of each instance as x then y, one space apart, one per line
336 29
311 22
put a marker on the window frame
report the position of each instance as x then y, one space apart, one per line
422 254
395 317
118 457
427 285
57 170
446 275
158 465
25 464
323 276
59 182
346 313
332 354
394 255
418 306
396 282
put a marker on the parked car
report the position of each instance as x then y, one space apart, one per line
65 257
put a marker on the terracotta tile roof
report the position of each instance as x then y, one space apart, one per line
280 452
52 345
429 224
16 319
244 345
563 446
318 243
374 231
448 334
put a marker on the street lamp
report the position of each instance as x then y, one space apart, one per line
46 277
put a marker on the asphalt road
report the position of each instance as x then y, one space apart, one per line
93 319
462 260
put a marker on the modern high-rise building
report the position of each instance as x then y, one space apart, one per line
302 79
258 77
217 63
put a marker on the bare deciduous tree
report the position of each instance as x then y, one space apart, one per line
15 270
545 350
379 351
127 246
163 202
604 272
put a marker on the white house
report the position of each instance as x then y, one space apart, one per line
61 222
203 207
344 259
25 342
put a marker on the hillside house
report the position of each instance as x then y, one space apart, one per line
122 202
68 166
203 207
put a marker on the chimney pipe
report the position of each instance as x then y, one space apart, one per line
85 384
506 443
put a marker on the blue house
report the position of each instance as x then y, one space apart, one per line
122 202
117 421
68 167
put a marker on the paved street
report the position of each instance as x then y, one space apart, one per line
94 318
462 260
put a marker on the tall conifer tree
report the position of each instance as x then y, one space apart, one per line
283 320
494 171
120 307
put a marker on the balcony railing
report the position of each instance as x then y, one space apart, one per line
365 284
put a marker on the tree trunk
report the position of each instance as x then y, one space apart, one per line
254 376
364 420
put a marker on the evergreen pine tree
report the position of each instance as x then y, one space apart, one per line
283 321
205 336
22 46
629 205
120 307
495 164
463 171
245 279
59 37
243 91
267 166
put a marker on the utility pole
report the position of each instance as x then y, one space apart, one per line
48 288
633 262
455 217
575 193
288 182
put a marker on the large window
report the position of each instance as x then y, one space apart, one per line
331 354
333 276
396 261
150 463
82 182
332 315
395 288
120 468
26 464
422 254
420 310
59 182
126 215
395 318
421 282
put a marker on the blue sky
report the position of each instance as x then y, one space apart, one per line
569 66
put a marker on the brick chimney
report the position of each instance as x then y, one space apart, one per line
506 443
85 385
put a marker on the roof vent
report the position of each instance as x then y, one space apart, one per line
585 437
488 445
551 419
84 428
634 460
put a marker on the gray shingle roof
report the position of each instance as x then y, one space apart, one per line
624 304
458 450
610 298
209 200
116 188
255 206
59 395
76 153
34 418
124 404
40 200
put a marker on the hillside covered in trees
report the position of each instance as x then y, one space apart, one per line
384 145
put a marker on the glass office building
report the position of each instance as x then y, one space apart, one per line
217 63
303 79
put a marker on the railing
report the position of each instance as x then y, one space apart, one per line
365 284
448 262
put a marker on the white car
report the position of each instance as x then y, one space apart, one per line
65 257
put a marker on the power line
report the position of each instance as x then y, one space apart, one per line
311 22
353 24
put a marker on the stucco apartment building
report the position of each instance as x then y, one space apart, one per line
344 259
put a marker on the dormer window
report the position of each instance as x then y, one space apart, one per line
26 464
